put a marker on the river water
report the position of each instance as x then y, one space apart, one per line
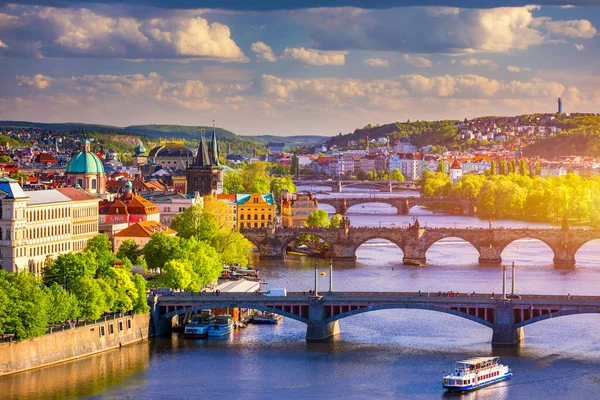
382 354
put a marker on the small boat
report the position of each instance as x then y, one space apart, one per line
266 318
198 328
323 273
222 325
475 373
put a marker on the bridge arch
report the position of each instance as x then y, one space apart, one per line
517 251
208 306
445 310
452 240
374 235
393 208
586 252
589 310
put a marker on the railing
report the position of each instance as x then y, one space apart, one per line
10 338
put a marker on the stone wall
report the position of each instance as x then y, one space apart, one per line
72 343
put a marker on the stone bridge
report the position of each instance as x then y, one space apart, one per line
415 241
322 313
402 204
337 186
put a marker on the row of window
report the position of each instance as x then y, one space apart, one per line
168 209
249 225
85 212
249 217
111 328
46 214
47 249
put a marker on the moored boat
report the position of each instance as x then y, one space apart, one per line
222 325
266 318
475 373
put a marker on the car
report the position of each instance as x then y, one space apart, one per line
513 296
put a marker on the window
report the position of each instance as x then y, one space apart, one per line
93 184
111 329
241 217
128 324
120 326
102 332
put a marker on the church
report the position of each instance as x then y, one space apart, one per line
205 175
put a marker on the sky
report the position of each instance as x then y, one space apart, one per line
295 67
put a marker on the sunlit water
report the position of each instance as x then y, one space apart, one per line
382 354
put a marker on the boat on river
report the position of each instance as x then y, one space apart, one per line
266 318
222 325
198 327
475 373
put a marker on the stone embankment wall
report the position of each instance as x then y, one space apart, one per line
71 344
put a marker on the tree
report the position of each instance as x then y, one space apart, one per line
160 249
129 250
233 247
493 168
194 221
503 167
30 305
205 260
295 165
538 168
279 184
318 218
335 221
63 305
233 183
5 159
256 179
179 274
140 304
68 267
125 292
523 169
397 175
441 166
221 211
90 296
101 248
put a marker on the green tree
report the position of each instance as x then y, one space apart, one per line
195 221
493 168
101 249
5 159
318 218
397 175
160 249
523 168
233 182
284 182
233 247
538 169
124 290
179 274
503 167
90 296
68 267
335 221
441 166
256 179
204 259
140 304
129 250
63 305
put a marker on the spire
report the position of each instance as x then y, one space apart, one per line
202 159
214 148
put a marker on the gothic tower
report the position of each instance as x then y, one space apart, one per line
205 175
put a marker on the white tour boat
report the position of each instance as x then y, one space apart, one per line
222 325
475 373
198 328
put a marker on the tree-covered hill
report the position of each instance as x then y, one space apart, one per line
581 138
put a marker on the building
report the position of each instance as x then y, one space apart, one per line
128 208
172 203
409 164
204 175
275 147
173 155
140 233
255 210
456 172
37 226
232 214
139 155
85 170
296 207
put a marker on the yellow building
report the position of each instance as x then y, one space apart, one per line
255 210
232 213
296 207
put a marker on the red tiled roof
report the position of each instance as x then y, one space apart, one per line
145 229
76 194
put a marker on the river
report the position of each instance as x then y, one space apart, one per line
382 354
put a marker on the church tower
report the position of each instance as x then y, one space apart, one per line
205 175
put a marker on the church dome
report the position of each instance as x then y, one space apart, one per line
140 149
85 162
171 151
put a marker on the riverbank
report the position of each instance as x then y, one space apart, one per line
70 344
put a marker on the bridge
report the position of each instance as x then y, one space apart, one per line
321 314
414 241
337 185
402 204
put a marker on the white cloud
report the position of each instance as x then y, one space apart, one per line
417 61
315 57
37 81
69 32
581 29
512 68
470 62
263 52
579 47
3 45
376 62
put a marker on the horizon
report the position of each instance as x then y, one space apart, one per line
304 68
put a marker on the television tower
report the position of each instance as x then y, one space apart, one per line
560 105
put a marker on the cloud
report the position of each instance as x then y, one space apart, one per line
417 61
470 62
422 29
263 52
512 68
579 47
315 57
3 45
52 32
376 62
580 29
37 81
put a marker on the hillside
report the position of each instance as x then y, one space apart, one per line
290 141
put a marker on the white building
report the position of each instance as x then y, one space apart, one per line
456 172
37 226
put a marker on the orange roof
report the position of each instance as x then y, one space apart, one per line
145 229
455 165
225 196
76 194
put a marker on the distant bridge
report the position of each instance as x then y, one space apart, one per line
322 313
337 185
403 204
415 241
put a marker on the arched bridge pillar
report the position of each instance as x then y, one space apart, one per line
404 207
343 251
387 187
564 254
490 254
505 331
337 187
414 255
342 207
272 250
317 330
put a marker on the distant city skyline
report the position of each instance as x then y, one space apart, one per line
282 69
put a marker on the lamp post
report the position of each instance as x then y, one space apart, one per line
513 278
504 282
330 275
316 280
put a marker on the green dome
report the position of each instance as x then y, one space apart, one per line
140 149
85 162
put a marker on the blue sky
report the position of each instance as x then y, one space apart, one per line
294 67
